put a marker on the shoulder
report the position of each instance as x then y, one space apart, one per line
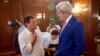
22 34
76 20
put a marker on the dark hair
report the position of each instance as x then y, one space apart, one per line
54 32
14 24
27 20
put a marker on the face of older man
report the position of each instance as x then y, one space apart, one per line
62 16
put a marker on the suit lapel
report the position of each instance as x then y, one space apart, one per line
67 27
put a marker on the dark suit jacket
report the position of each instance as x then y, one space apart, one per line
71 39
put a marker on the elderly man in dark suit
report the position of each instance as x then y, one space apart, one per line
71 39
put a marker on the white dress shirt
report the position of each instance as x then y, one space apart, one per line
68 19
55 41
26 47
45 37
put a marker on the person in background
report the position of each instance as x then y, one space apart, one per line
52 43
29 39
45 37
52 27
71 38
21 28
16 25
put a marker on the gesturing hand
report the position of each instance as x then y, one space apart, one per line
34 37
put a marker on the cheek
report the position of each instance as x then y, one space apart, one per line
34 26
31 25
61 17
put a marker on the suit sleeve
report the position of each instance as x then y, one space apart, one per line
79 39
25 48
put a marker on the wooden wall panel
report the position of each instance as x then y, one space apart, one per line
7 1
8 11
90 26
48 14
4 15
32 10
95 11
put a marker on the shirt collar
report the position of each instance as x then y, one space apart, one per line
67 20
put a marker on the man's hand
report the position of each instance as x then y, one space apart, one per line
34 37
53 49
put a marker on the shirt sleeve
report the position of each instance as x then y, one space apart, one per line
25 47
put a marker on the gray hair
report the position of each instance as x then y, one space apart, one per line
64 7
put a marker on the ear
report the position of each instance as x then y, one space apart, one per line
27 24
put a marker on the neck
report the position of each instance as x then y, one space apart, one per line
31 30
66 18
